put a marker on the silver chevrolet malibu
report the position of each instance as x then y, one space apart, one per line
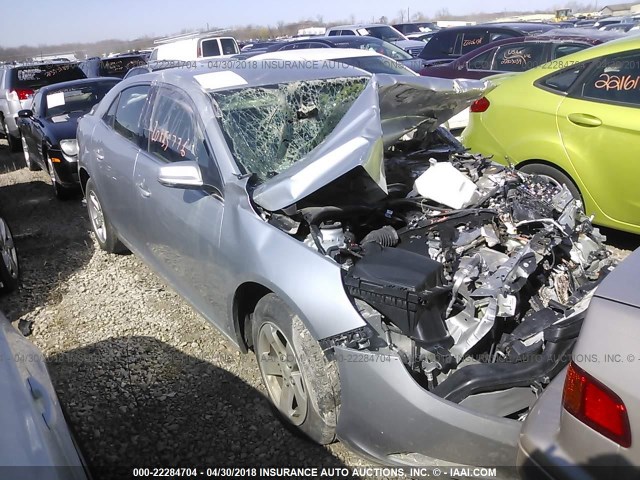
399 293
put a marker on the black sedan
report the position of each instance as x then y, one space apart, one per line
48 130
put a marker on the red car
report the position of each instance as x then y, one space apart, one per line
518 54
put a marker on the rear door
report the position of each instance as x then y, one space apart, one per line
599 122
181 226
116 143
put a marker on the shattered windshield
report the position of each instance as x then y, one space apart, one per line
269 128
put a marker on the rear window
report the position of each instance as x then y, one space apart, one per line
386 33
118 67
75 99
210 48
37 76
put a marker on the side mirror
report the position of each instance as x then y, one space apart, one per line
25 114
181 175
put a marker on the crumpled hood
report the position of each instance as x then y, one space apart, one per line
389 107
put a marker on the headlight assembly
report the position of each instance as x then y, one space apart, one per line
69 147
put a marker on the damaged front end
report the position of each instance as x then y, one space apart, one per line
482 298
474 275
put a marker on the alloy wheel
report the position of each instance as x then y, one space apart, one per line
281 373
97 216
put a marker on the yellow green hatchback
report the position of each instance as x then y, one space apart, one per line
576 120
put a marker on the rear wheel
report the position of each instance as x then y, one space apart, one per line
27 156
555 175
102 228
9 267
302 384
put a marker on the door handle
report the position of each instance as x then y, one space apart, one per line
584 120
143 189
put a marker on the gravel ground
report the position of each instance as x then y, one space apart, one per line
145 380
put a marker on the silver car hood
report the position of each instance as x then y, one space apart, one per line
389 107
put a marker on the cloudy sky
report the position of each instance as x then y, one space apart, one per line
59 21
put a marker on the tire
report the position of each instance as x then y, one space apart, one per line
102 229
313 409
61 192
555 174
32 166
14 142
9 265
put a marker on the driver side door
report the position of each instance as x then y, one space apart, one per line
181 226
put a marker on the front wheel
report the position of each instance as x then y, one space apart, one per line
9 267
100 224
302 384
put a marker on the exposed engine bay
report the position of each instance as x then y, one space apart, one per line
476 275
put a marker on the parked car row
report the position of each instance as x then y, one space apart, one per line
457 286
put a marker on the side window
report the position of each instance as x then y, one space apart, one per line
562 81
483 61
111 113
175 134
471 41
334 33
210 48
229 46
127 116
347 32
510 58
560 51
614 79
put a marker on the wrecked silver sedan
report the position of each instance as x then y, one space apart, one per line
400 294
